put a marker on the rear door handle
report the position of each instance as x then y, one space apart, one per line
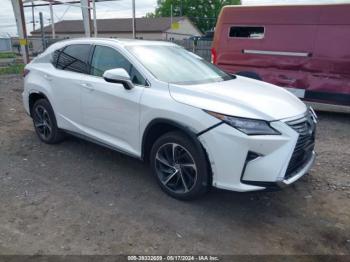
87 86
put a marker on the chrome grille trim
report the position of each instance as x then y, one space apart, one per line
305 127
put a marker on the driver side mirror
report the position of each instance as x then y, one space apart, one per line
119 76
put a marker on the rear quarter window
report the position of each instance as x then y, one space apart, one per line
55 57
74 58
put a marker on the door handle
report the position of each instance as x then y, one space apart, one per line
87 86
48 77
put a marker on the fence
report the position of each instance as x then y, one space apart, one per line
35 46
199 47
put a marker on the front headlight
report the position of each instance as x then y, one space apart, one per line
247 125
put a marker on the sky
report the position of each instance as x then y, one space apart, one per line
114 9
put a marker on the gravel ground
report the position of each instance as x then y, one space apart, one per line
80 198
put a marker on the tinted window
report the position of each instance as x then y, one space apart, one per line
55 57
106 58
74 58
247 31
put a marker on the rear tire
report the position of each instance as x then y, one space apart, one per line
45 124
180 166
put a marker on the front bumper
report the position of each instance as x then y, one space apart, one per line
228 150
304 170
25 101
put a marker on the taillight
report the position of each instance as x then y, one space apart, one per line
25 72
213 56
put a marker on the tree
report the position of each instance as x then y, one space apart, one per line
203 13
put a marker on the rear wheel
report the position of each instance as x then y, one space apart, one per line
45 122
179 166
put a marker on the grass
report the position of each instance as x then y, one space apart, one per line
7 55
12 69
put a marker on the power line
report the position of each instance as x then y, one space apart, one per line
53 3
64 13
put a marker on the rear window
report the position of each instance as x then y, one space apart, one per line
251 32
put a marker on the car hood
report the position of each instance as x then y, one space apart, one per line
241 97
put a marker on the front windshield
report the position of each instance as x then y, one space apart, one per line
173 64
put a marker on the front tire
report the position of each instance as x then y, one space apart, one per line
45 124
180 166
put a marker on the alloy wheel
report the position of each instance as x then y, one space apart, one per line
42 122
176 168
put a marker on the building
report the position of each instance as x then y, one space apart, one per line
158 28
5 43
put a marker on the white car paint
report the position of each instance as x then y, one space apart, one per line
108 113
241 96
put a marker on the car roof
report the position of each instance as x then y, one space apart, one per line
115 41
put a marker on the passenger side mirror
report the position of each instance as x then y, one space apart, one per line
120 76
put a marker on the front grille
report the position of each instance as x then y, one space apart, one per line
305 145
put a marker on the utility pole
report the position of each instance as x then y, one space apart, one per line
94 17
89 12
52 21
17 6
86 21
133 20
33 16
181 6
42 30
83 4
171 15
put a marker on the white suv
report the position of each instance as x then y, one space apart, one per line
197 125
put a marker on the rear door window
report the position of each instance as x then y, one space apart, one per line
74 58
250 32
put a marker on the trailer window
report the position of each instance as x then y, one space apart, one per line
253 32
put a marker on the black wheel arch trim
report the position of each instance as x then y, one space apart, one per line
36 93
186 129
